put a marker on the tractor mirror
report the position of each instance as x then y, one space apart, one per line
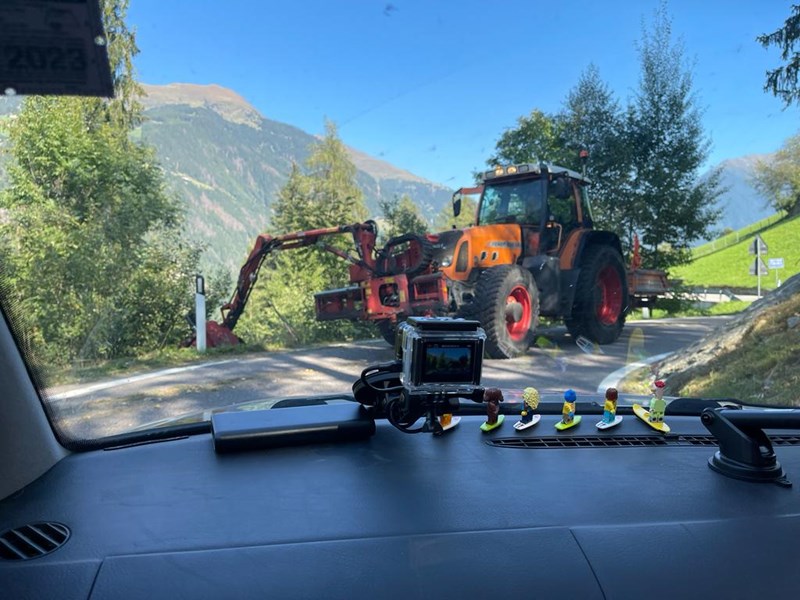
562 188
457 204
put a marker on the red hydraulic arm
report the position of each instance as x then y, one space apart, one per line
364 235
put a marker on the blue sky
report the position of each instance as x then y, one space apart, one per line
430 85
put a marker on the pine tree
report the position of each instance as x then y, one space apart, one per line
593 121
669 205
281 308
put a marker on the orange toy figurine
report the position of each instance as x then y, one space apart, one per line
492 397
448 421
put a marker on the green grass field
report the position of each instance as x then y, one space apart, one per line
730 267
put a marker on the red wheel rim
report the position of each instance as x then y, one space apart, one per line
610 305
517 330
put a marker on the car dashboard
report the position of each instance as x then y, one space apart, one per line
626 513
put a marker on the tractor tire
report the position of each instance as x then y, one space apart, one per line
507 306
387 264
388 331
601 297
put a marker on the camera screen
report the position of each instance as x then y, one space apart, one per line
448 363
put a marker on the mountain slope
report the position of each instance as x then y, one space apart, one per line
228 162
741 203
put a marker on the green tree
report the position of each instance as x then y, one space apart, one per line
93 257
445 219
779 179
537 137
401 216
592 120
281 308
670 206
782 81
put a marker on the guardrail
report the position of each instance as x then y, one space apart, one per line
737 236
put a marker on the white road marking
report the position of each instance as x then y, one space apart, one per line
83 391
613 379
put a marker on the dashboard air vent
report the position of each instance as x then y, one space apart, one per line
623 441
32 541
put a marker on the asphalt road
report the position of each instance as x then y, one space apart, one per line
556 363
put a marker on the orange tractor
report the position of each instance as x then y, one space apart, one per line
532 252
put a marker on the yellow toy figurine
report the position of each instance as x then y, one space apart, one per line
568 416
530 399
655 416
610 416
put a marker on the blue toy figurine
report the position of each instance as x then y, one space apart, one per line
568 416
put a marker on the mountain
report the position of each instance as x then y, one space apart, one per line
741 202
228 162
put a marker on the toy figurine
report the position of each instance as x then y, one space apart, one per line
448 421
655 416
568 416
530 399
610 416
492 397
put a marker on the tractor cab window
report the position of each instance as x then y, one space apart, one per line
561 203
512 202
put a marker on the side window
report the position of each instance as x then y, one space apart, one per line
586 207
563 208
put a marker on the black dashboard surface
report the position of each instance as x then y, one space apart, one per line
411 516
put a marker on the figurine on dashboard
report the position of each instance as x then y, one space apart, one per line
610 417
530 400
568 416
448 421
492 397
655 416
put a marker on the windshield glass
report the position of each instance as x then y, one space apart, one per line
265 199
512 202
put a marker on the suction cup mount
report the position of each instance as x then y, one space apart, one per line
745 451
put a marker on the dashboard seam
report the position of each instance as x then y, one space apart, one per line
588 562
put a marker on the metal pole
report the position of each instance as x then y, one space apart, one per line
758 265
200 313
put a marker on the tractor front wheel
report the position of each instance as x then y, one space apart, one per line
507 303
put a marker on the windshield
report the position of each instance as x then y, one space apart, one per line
512 202
262 204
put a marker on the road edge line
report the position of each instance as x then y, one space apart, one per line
613 379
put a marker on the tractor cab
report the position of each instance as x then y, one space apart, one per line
547 202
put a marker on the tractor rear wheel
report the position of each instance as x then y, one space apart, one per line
601 297
507 303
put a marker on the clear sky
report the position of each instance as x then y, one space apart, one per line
429 85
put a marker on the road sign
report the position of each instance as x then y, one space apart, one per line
775 263
758 267
759 246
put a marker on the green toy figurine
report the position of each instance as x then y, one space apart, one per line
655 416
568 416
530 399
492 397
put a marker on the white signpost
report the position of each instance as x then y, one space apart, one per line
777 264
758 268
200 313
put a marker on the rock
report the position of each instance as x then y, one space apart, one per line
792 322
